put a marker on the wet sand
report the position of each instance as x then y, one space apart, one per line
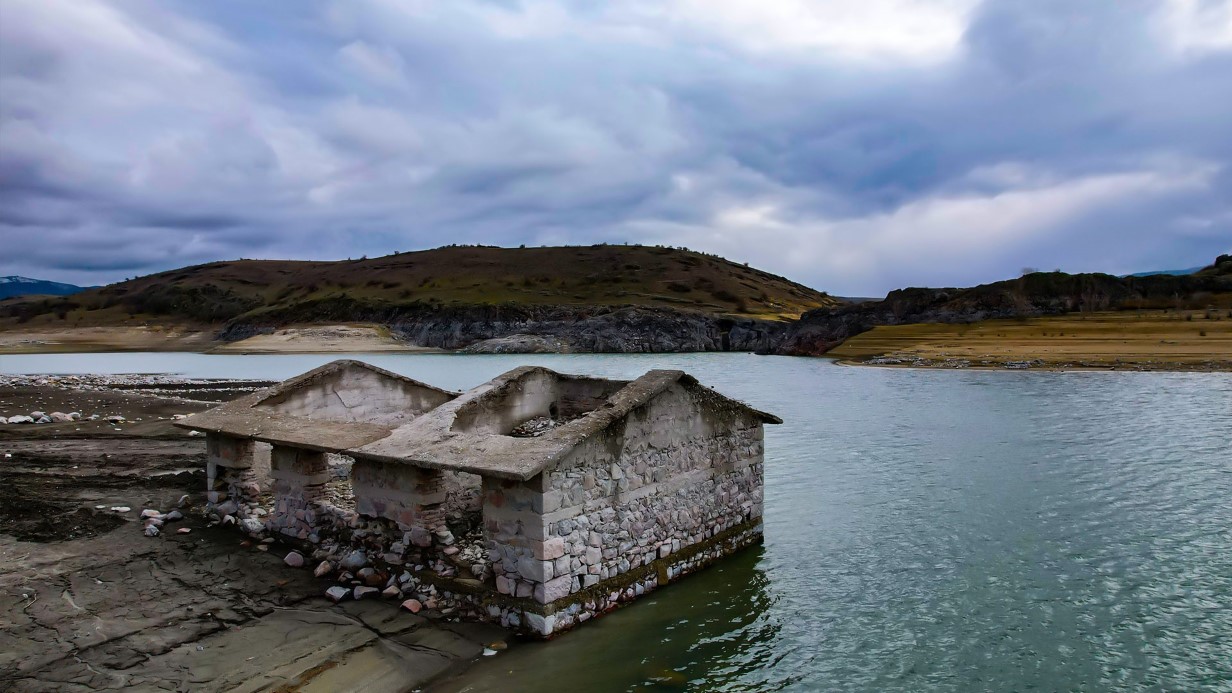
88 603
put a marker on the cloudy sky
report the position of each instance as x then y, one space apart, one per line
855 147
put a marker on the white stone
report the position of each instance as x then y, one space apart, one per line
504 585
552 590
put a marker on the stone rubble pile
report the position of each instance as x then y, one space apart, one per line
152 521
135 383
38 417
533 428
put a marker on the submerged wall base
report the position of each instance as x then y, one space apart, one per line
527 616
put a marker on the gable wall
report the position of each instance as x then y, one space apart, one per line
357 394
676 473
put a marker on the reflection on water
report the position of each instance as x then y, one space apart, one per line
925 530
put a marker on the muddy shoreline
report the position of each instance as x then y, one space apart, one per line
88 603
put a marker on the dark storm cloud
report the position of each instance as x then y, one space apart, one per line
857 150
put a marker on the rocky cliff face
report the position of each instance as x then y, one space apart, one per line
529 329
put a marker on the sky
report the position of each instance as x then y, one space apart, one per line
853 147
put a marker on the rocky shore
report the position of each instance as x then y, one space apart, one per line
112 576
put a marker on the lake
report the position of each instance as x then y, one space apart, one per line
925 530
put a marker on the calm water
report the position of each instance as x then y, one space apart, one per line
925 530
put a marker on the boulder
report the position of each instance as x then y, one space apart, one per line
355 560
337 593
412 605
294 559
36 415
323 569
43 420
151 531
252 525
60 417
361 592
20 420
228 507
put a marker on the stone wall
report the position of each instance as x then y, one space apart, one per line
237 474
675 474
357 395
409 496
299 478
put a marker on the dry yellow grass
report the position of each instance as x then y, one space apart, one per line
1150 339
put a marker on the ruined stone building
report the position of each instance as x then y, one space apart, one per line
537 499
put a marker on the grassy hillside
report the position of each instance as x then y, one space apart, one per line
1031 296
243 290
1136 338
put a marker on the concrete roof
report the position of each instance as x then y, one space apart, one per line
431 441
245 418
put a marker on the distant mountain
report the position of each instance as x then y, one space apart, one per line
25 286
1175 273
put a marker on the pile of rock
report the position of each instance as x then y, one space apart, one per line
39 417
137 383
152 521
357 579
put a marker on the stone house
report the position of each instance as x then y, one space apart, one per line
581 493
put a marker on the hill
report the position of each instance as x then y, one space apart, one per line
662 299
1128 308
25 286
1191 270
